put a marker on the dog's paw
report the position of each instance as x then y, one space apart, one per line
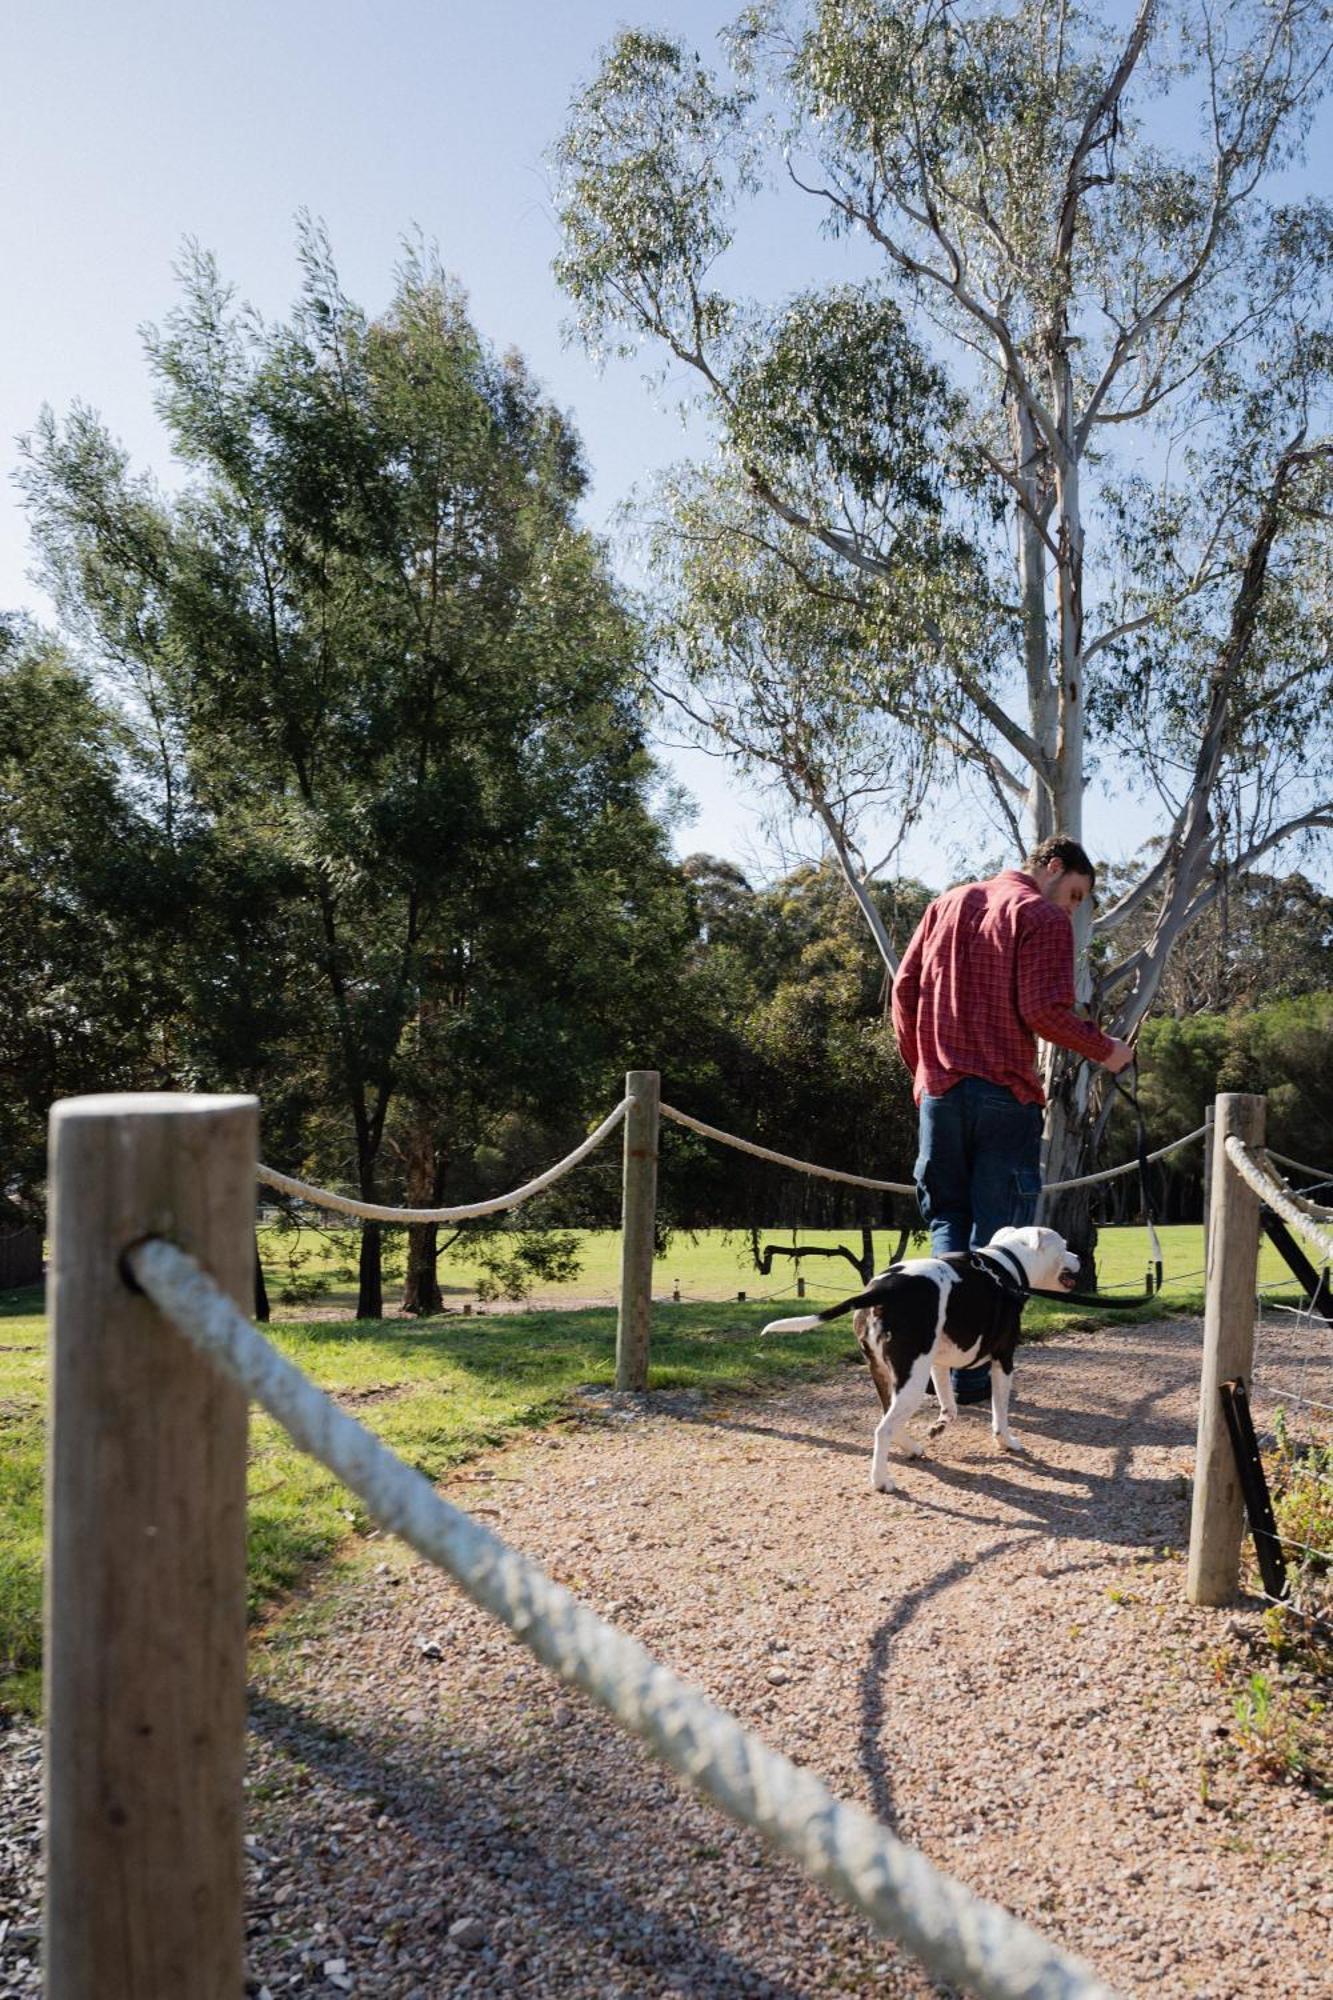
882 1482
940 1425
1008 1442
914 1448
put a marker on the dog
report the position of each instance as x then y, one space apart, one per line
922 1317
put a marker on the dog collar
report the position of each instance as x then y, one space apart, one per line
1013 1276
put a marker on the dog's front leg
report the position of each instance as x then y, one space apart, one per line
1001 1381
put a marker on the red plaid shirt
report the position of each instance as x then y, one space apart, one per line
990 967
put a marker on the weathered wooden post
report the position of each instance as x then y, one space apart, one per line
145 1580
643 1087
1217 1520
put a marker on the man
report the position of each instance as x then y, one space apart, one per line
989 969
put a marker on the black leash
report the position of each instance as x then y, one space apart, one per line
1130 1093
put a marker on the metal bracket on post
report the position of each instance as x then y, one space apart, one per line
643 1088
1254 1485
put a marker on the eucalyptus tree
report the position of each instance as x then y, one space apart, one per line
369 640
1047 483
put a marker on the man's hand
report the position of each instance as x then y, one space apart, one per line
1121 1056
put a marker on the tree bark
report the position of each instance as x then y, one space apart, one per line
425 1187
370 1285
1028 452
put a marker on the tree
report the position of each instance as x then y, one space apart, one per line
370 642
1265 937
1051 483
70 844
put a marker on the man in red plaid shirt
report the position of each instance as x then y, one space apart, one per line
989 969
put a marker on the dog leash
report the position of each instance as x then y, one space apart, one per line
1130 1093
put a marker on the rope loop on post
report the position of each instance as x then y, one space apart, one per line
1278 1198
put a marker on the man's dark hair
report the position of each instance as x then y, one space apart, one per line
1068 853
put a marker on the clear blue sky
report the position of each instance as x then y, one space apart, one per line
130 126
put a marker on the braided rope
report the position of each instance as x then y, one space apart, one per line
783 1159
1277 1198
962 1938
344 1204
902 1187
376 1212
1130 1166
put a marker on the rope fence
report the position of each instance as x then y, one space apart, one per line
1129 1166
641 1112
372 1211
154 1362
783 1159
380 1212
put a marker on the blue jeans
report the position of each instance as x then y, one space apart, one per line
978 1170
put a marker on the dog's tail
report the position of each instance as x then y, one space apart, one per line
809 1320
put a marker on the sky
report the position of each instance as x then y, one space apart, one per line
130 128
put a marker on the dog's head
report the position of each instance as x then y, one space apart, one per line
1049 1263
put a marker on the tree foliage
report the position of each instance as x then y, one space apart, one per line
1043 494
372 656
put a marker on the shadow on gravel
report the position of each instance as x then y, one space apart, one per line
458 1806
815 1439
876 1737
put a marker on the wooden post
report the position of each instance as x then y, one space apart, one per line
643 1087
1209 1126
1217 1519
145 1578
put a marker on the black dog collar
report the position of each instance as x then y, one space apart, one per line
1012 1279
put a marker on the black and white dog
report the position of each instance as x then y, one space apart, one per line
922 1317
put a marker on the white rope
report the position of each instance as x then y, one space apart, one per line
375 1212
898 1187
1277 1198
962 1938
784 1159
1130 1166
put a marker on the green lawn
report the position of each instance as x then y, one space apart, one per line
715 1264
438 1391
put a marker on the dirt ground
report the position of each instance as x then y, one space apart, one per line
998 1662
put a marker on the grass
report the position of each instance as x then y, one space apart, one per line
440 1391
716 1264
22 1427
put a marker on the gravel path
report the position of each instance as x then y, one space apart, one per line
998 1661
